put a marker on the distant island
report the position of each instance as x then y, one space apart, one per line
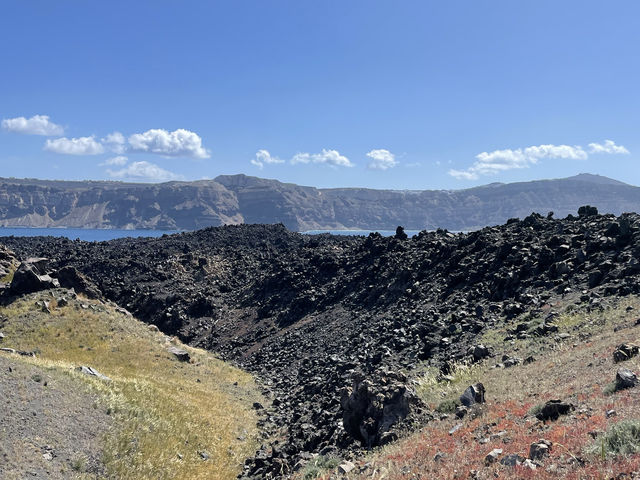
236 199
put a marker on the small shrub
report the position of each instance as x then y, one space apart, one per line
79 464
609 389
622 438
320 465
447 406
36 377
535 410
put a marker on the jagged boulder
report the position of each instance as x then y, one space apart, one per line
31 277
370 409
553 409
179 353
540 449
474 394
587 211
624 352
69 277
625 378
478 352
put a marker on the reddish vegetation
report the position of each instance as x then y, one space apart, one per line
579 373
462 455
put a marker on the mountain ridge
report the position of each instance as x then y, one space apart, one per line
236 199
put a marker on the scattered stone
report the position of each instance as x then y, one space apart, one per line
611 413
625 378
179 353
625 351
455 429
92 372
461 411
472 395
512 460
18 352
479 352
553 409
204 455
529 464
492 456
346 466
540 449
508 362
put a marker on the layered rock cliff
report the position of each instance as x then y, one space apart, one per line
234 199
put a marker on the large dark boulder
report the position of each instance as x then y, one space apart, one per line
624 352
625 378
31 277
370 410
472 395
69 277
553 409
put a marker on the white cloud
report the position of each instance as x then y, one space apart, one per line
74 146
491 163
115 161
144 171
115 142
608 147
179 143
264 157
36 125
328 157
381 159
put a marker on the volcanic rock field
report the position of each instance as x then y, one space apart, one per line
334 326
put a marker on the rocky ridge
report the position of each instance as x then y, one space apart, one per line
235 199
332 325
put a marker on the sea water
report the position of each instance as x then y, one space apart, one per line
87 234
100 235
384 233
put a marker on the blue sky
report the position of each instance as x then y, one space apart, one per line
382 94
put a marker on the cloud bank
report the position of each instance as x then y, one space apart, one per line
36 125
264 157
491 163
143 172
381 159
327 157
609 146
74 146
179 143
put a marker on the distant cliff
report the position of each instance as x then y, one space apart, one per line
233 199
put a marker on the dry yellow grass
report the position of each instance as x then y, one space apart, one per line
168 413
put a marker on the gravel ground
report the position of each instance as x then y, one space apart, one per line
49 428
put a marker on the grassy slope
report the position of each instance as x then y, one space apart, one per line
579 369
166 412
